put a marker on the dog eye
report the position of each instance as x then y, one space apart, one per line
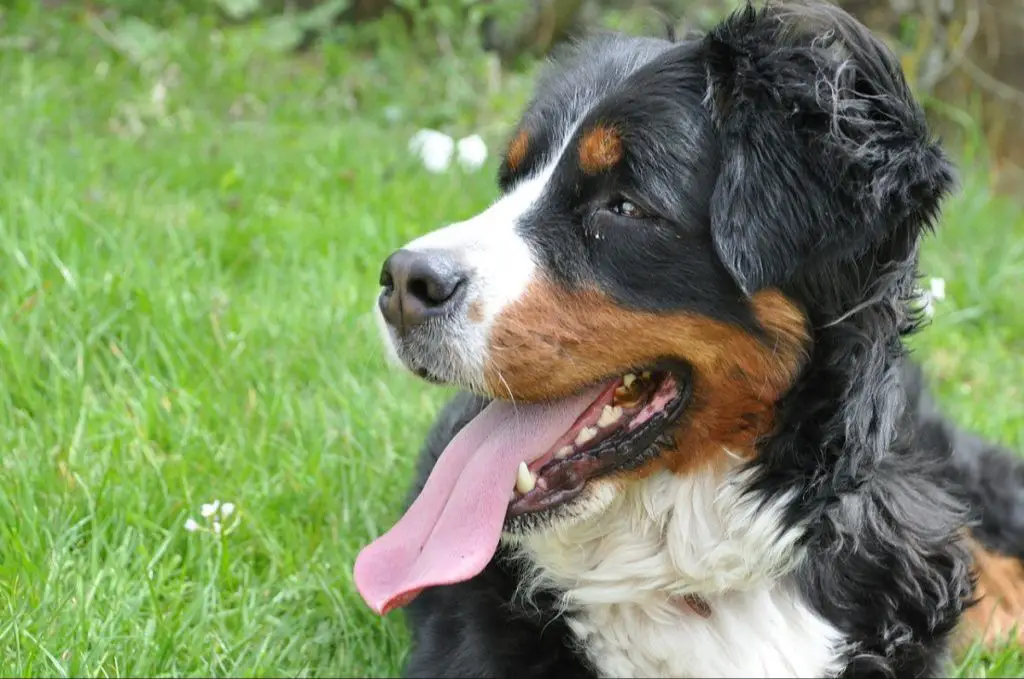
627 208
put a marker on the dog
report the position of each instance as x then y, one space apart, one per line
689 440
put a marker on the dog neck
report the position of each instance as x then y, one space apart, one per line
674 573
664 537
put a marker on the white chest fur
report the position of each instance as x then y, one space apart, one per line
626 571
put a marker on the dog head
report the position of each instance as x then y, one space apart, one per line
668 211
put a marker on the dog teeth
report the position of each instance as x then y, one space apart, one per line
628 379
609 416
524 479
645 375
586 434
564 451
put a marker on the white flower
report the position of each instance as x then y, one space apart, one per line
159 93
433 148
208 510
938 288
216 515
472 152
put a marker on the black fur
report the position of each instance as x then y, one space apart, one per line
782 150
825 152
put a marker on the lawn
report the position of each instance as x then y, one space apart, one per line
191 229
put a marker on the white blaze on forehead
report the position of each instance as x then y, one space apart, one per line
499 261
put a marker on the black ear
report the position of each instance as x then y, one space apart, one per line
825 152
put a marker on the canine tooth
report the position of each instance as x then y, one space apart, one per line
524 479
564 451
609 416
586 434
628 379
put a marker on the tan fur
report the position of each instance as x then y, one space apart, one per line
1000 594
552 341
517 149
600 149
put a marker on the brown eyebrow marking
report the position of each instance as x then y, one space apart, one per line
600 149
517 150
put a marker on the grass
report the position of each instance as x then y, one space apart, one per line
191 227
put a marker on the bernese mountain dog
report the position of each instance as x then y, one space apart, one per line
689 440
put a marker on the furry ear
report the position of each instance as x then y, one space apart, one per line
825 152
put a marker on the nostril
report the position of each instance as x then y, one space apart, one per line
386 279
434 289
420 289
433 279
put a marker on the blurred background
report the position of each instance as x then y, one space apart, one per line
197 428
962 56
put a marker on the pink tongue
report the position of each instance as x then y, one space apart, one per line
451 531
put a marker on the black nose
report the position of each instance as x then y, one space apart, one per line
418 286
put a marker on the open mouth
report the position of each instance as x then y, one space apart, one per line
621 429
543 453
